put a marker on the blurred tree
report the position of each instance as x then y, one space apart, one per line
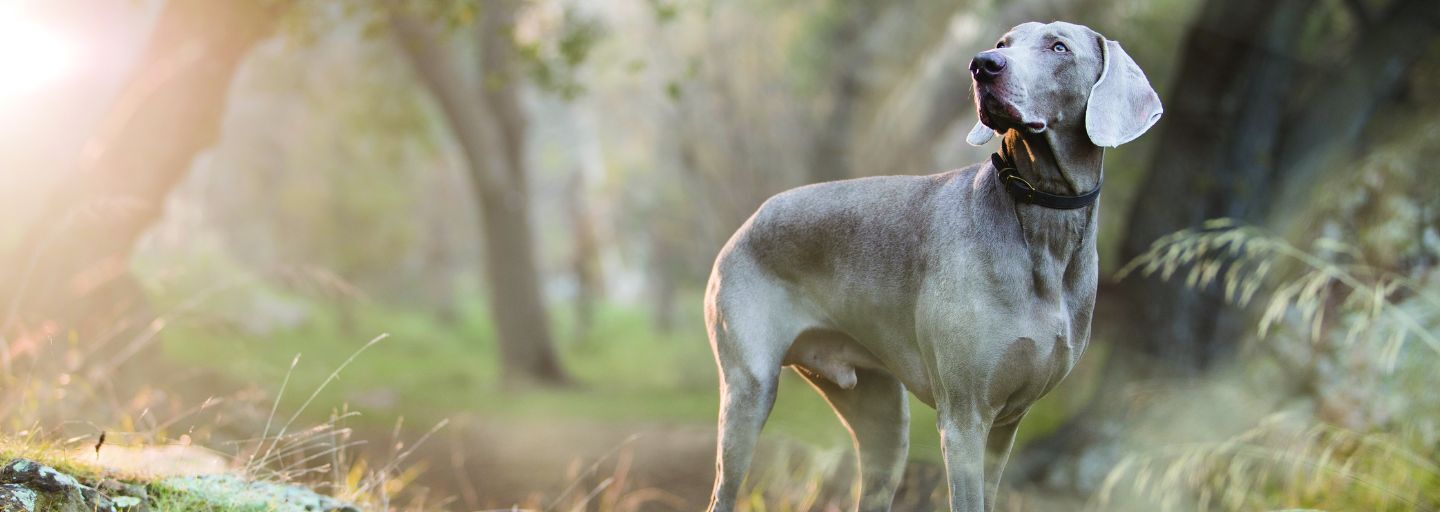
72 270
1234 141
844 39
585 256
479 97
1265 94
757 107
322 161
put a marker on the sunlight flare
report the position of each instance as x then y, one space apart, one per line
32 56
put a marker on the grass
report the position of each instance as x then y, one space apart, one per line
629 373
288 459
55 456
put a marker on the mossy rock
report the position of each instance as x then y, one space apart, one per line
28 486
232 493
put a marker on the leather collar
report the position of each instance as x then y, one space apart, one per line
1024 192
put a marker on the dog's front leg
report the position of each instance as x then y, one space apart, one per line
963 434
1001 440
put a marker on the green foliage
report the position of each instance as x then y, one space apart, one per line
1287 462
665 11
554 49
822 36
1350 324
631 372
335 141
1337 328
1243 259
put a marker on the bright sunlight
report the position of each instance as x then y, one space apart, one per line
31 56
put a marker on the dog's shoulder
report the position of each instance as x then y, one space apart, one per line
825 227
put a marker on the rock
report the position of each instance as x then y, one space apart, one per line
129 503
235 492
127 497
28 486
16 498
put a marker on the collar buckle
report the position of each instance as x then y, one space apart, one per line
1024 192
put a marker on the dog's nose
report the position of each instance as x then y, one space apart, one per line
987 65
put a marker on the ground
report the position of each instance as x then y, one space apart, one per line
644 396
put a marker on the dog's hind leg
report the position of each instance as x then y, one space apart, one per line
878 415
745 402
749 335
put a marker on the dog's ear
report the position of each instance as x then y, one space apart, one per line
1122 104
980 134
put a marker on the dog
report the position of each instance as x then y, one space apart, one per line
972 289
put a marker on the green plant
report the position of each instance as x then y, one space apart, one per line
1338 331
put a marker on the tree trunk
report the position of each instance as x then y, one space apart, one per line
585 260
489 126
831 157
1234 135
1334 117
520 317
1236 138
1222 122
72 271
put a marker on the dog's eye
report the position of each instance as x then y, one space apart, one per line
1000 44
1060 48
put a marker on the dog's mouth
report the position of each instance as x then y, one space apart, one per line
1002 115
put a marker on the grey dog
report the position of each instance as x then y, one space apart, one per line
975 298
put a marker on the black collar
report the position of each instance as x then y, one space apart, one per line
1024 192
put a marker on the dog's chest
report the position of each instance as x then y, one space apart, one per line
1028 340
1032 364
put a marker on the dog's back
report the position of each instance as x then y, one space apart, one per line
861 232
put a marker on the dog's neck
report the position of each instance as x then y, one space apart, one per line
1058 164
1053 161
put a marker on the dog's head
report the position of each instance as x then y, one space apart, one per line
1061 76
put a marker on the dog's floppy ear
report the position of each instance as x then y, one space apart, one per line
980 134
1122 103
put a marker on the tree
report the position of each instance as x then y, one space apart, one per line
830 157
1238 135
72 271
1250 118
479 100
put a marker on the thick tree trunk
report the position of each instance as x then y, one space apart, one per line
1234 136
490 128
73 270
1237 137
520 316
1214 159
